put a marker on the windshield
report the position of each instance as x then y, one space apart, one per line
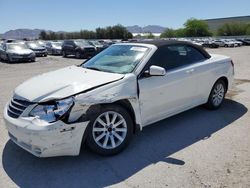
16 46
56 44
95 43
117 59
34 45
81 43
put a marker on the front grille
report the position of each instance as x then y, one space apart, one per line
89 49
17 106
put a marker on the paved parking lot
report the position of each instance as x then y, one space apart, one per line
198 148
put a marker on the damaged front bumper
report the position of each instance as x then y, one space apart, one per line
45 139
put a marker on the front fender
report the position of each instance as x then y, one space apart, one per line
125 88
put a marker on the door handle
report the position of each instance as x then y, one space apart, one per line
190 71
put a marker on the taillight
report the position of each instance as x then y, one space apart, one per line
232 63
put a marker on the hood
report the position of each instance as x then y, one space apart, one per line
63 83
90 46
57 47
20 51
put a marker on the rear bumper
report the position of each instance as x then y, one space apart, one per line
45 139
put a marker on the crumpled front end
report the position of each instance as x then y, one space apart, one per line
45 139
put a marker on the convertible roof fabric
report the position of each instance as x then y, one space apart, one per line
162 43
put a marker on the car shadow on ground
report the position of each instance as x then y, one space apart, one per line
17 62
154 144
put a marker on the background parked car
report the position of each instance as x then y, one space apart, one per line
12 52
238 43
42 43
229 43
98 46
210 44
221 43
37 48
245 42
78 48
54 48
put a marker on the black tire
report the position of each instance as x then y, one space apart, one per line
90 140
78 55
64 54
8 59
211 104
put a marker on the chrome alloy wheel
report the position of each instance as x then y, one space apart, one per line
218 94
109 130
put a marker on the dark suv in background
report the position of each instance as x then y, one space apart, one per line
78 48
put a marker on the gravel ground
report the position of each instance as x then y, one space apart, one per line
197 148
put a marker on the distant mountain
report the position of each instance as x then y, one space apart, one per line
21 33
146 29
34 33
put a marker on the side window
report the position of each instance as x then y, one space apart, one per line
194 55
174 56
72 43
65 42
4 47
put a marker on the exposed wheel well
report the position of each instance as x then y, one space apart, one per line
126 104
225 80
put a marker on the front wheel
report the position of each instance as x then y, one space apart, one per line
64 54
110 130
8 59
78 55
217 95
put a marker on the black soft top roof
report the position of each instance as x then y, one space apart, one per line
162 43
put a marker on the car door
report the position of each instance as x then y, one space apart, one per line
68 47
4 53
72 47
1 51
49 48
163 96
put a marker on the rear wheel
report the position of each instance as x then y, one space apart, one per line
33 60
217 95
110 130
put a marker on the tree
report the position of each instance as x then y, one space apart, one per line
196 28
150 35
233 29
43 35
181 32
248 30
168 33
110 32
100 33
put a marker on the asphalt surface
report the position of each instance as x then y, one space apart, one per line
197 148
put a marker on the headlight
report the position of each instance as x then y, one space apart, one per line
14 54
52 111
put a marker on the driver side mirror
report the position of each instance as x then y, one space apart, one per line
155 71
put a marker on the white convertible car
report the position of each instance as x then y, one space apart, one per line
104 101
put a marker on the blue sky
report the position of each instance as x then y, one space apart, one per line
73 15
